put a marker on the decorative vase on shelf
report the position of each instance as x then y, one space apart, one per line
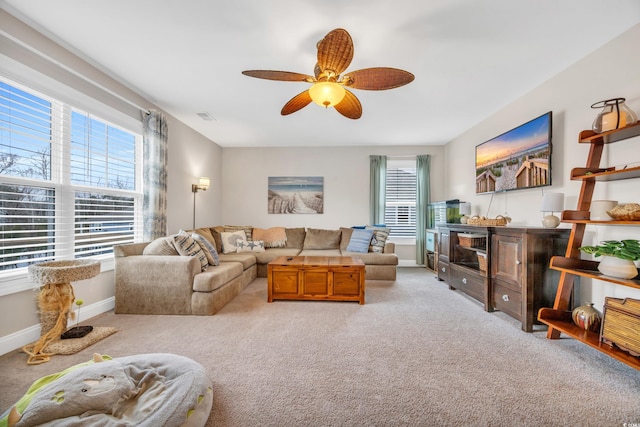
587 317
599 208
614 115
617 267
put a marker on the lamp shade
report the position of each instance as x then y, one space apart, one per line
552 202
465 208
326 94
204 182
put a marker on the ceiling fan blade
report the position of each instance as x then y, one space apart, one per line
350 106
379 78
335 51
296 103
286 76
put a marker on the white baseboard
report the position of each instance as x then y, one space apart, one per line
31 334
408 263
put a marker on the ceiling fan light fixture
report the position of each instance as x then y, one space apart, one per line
335 52
327 94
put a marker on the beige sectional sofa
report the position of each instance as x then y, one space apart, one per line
151 278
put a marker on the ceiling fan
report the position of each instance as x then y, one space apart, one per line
335 52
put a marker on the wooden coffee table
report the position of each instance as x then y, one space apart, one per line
316 278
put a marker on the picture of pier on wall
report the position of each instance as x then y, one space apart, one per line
296 195
517 159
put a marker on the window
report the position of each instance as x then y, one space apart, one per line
69 182
400 202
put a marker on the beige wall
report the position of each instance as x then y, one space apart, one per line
191 156
346 182
609 72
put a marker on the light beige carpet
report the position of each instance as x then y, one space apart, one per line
416 354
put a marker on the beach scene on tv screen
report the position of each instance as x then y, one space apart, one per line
516 159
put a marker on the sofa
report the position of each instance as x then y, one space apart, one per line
159 277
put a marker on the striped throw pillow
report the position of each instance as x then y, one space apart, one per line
186 246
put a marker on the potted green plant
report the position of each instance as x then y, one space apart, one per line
618 257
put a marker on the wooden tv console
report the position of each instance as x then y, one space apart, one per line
316 278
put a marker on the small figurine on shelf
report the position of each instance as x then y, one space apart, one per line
614 115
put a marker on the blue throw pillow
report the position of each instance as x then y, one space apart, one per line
360 240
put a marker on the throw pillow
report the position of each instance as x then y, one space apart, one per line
295 237
322 239
378 239
230 241
252 246
186 246
274 237
360 240
345 238
216 232
248 230
208 249
161 246
206 233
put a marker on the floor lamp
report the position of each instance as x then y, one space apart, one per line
203 184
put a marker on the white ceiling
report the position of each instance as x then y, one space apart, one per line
469 58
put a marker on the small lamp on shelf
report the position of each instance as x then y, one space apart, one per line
465 210
552 202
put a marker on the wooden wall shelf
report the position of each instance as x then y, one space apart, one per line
608 174
561 321
586 268
571 265
582 217
590 137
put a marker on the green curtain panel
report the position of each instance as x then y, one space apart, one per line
422 205
377 192
154 179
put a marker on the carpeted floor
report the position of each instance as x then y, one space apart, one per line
416 354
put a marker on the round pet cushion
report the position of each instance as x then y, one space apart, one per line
155 389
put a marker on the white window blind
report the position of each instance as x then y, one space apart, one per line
400 202
102 156
102 221
28 225
68 181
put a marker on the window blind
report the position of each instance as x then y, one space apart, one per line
28 225
102 221
68 181
400 202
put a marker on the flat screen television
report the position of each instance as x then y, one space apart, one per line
517 159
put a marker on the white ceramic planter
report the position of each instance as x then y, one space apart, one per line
599 208
616 267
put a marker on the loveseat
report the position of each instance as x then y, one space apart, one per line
152 277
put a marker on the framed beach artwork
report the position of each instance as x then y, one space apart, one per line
296 195
517 159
